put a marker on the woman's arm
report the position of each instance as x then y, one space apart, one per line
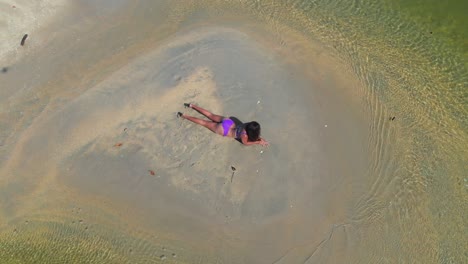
245 141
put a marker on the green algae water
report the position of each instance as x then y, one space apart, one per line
403 199
444 19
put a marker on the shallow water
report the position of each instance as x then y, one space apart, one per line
341 181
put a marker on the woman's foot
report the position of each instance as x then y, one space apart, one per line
180 114
187 105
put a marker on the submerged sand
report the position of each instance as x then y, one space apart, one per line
21 17
92 149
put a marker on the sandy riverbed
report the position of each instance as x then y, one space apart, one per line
87 118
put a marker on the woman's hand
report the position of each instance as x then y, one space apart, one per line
263 142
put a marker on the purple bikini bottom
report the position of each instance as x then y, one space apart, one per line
227 124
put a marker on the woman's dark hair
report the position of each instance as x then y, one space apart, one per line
253 130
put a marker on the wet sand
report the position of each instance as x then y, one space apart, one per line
18 18
84 132
191 196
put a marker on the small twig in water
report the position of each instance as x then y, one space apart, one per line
233 171
23 40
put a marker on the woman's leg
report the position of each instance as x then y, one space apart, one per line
211 116
213 126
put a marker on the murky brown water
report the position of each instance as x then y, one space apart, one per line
89 115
